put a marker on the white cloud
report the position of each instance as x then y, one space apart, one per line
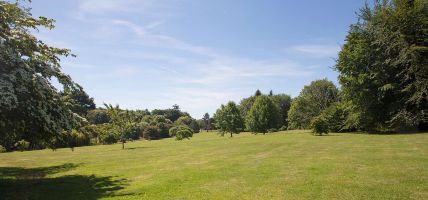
159 40
173 71
318 51
103 6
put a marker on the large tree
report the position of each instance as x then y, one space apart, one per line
78 100
283 102
312 100
31 108
263 115
207 122
383 66
228 119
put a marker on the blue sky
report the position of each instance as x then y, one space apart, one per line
196 53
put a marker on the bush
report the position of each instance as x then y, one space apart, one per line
2 149
181 132
272 130
109 138
98 116
332 119
77 139
320 125
22 145
151 132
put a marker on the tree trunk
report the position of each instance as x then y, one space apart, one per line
231 135
123 145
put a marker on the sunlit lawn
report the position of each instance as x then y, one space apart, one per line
284 165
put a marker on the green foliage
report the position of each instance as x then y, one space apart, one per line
181 132
98 116
109 137
31 108
151 132
312 100
172 114
188 121
22 145
245 105
320 125
383 66
2 149
76 139
283 102
263 115
78 101
228 119
206 122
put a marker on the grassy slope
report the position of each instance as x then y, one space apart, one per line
282 165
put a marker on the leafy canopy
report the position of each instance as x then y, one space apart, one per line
383 66
31 108
228 119
312 100
263 115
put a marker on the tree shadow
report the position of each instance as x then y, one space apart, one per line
391 133
133 148
33 183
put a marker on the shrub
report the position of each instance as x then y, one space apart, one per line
181 132
98 116
272 130
22 145
151 132
320 125
109 138
332 119
2 149
77 139
283 128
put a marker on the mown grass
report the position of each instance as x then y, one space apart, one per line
284 165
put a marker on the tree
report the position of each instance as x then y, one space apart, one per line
245 105
283 102
263 115
207 121
258 93
31 108
172 113
312 100
332 119
320 125
98 116
383 66
188 121
181 132
123 123
78 100
228 119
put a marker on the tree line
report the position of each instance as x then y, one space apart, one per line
35 115
383 76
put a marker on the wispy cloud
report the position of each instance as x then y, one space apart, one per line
104 6
159 40
145 66
318 51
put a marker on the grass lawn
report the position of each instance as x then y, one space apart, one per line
284 165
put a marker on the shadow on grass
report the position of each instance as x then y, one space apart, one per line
391 133
133 148
33 183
